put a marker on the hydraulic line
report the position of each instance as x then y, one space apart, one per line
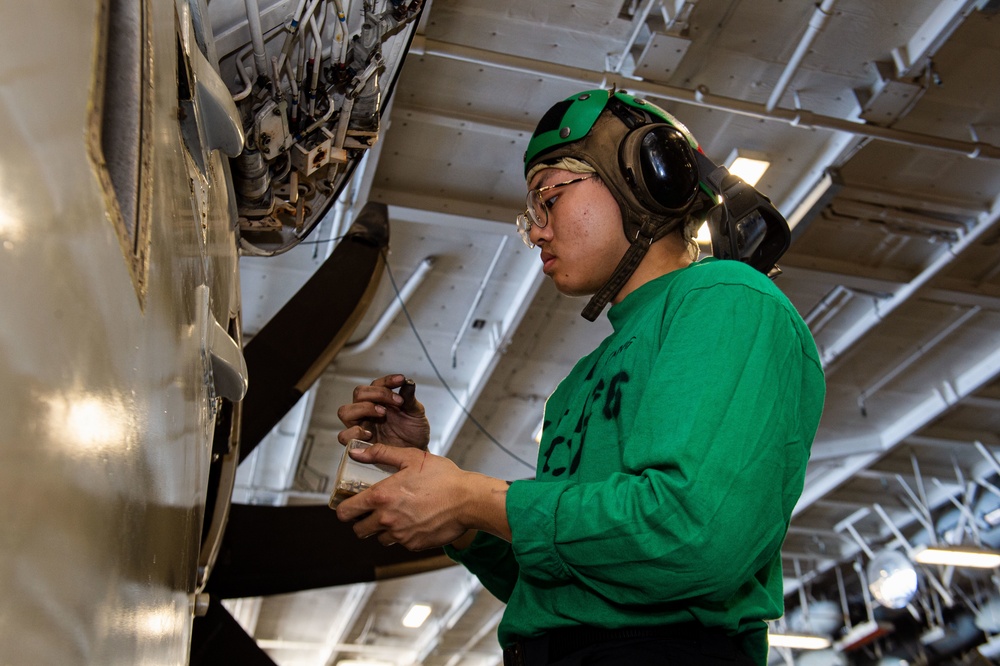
256 37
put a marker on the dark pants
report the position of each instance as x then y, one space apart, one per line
666 646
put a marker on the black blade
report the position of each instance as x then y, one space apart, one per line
287 356
218 639
280 549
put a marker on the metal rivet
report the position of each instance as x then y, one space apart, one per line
640 101
564 133
584 96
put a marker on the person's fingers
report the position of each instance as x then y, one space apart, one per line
371 402
365 534
391 381
354 432
407 391
396 456
356 413
380 390
357 509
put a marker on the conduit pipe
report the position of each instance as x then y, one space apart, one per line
344 37
700 97
475 302
816 23
242 70
296 29
256 37
393 309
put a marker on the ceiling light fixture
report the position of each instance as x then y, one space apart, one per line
747 164
798 641
416 616
892 580
964 556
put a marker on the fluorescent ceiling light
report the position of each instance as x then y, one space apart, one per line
798 641
416 616
958 557
748 165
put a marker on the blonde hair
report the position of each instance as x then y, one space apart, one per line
570 164
688 229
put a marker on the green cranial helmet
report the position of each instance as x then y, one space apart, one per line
643 154
571 119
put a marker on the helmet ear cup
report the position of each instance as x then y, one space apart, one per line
659 165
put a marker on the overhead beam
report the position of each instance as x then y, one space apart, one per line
865 323
912 58
956 296
864 279
930 202
461 121
846 447
420 215
701 98
950 439
427 209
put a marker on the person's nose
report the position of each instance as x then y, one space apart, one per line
539 235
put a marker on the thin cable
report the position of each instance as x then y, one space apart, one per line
322 240
472 418
437 372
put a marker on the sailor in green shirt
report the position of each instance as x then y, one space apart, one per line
671 456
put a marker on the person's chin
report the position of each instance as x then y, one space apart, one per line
570 289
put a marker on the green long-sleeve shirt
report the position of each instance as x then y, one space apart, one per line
670 462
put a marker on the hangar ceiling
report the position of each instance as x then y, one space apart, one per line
881 123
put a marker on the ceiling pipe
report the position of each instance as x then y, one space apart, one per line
818 20
700 97
391 310
475 302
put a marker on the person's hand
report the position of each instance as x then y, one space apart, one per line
429 502
379 414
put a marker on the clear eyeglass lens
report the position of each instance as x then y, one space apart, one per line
524 228
536 212
536 209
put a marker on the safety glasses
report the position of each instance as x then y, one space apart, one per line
537 207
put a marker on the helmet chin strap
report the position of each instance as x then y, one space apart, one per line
648 233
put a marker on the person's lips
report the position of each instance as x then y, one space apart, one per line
547 260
